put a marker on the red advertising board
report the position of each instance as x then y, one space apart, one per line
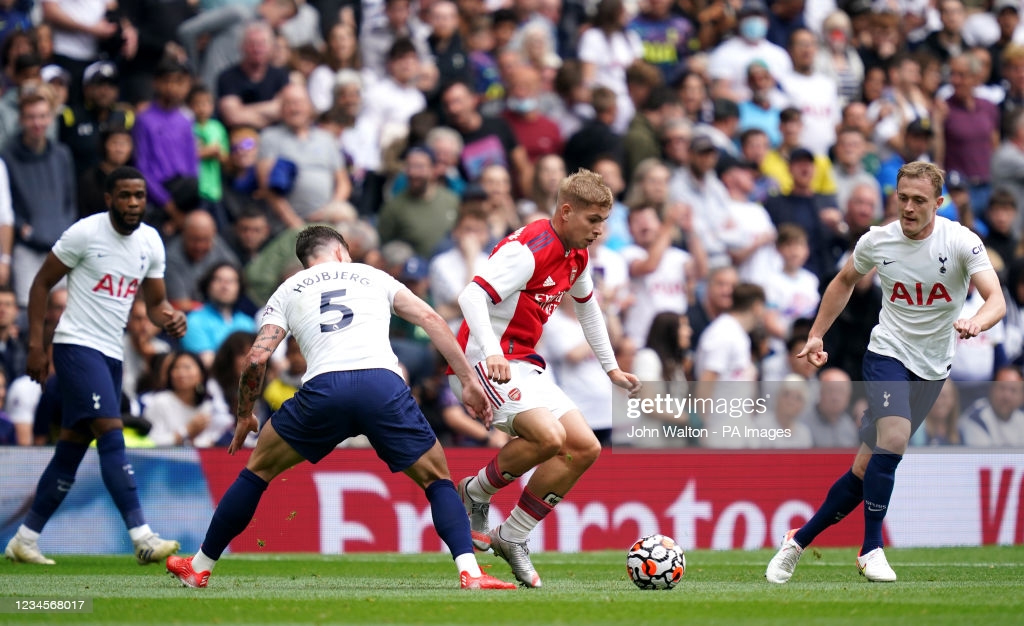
349 502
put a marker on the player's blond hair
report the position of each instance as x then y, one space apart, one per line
922 169
585 189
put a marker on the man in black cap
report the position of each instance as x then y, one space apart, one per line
80 125
698 186
803 207
749 234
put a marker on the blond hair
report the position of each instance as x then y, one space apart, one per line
584 189
1013 53
922 169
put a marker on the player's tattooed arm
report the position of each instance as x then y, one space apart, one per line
250 385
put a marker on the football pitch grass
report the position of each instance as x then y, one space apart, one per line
936 586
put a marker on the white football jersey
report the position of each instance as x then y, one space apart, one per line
107 270
340 314
924 286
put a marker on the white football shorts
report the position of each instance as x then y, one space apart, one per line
531 387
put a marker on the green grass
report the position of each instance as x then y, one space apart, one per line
937 586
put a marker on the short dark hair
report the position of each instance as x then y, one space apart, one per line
504 16
790 114
109 130
746 135
251 210
124 172
568 77
26 61
448 85
790 233
642 73
745 296
314 239
198 89
659 97
602 99
1002 197
401 47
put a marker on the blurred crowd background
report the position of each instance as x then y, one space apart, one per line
749 145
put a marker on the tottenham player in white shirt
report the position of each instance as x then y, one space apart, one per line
339 313
925 264
108 259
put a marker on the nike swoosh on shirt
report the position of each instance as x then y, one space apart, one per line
887 262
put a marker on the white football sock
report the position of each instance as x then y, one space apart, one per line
139 532
203 563
467 563
27 535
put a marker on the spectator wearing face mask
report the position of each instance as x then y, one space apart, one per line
534 131
728 64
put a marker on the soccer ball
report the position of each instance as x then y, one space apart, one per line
656 562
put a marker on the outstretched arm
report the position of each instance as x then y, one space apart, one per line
412 309
251 382
592 322
832 304
473 302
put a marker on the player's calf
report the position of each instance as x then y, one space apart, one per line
479 513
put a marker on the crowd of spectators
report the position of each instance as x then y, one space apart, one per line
749 144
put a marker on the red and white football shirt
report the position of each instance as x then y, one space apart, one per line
525 277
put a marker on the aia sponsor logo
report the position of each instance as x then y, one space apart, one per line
117 287
918 295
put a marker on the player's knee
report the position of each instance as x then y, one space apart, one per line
893 442
549 440
587 453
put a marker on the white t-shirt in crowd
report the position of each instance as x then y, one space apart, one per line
730 60
662 290
585 382
817 97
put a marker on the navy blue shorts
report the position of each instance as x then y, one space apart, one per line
337 405
89 383
892 389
